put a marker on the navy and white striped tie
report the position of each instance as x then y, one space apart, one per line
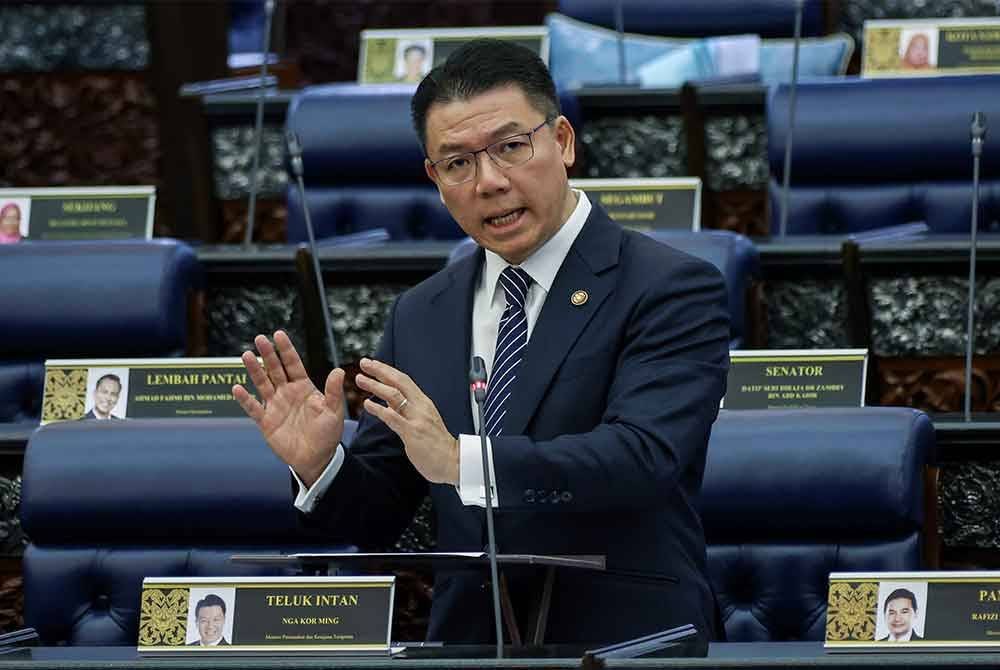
512 337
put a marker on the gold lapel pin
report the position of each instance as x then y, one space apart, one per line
579 298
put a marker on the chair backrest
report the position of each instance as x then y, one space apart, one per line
107 505
363 165
87 300
873 153
790 496
696 18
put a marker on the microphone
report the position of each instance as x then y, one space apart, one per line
259 125
792 95
295 160
477 384
977 131
620 29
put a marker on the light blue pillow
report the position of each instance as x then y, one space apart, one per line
581 54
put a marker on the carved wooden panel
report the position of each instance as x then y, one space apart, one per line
271 215
938 384
741 211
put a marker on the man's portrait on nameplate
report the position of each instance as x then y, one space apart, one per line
107 394
902 611
210 617
606 353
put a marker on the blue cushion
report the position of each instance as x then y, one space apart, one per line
698 18
582 54
21 385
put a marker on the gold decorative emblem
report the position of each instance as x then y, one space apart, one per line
882 50
65 394
579 298
850 614
380 60
163 618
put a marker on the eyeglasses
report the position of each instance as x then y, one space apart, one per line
506 153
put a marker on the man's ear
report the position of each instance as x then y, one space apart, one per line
432 175
566 138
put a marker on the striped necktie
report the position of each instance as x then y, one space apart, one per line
512 337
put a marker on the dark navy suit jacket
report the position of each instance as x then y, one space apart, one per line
604 441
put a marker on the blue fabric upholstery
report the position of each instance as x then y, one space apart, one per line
363 166
850 174
733 254
792 495
84 300
106 505
697 18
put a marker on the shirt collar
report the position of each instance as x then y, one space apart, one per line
545 262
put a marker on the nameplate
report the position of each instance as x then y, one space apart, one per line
93 213
913 611
784 379
349 615
928 47
647 204
407 55
142 388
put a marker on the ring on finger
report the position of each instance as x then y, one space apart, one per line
399 410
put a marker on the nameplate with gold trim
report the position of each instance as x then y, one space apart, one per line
303 615
791 378
913 611
406 55
931 47
142 388
647 204
79 213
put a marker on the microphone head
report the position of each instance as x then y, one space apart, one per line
294 151
477 378
978 129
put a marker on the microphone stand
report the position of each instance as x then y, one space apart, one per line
978 132
259 124
792 94
477 382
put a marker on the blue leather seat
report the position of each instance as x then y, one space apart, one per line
792 495
76 299
107 505
883 152
696 18
733 254
363 166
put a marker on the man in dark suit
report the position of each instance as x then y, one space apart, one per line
106 392
607 354
210 618
900 608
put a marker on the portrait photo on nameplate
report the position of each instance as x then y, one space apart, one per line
142 388
265 615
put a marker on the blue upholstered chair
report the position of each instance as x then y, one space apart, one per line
363 166
790 496
107 505
733 254
696 18
873 153
86 300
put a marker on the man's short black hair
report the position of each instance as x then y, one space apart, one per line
480 66
900 593
211 600
114 378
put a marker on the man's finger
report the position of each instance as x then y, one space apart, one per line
391 377
258 375
289 356
387 415
392 395
333 391
253 409
272 364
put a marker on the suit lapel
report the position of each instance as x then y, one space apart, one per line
453 340
588 267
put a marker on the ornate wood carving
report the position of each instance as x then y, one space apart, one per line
938 384
271 216
741 211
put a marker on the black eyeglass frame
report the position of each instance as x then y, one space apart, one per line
475 162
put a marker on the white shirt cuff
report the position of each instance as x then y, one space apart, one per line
470 472
307 497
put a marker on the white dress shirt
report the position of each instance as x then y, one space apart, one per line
488 306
